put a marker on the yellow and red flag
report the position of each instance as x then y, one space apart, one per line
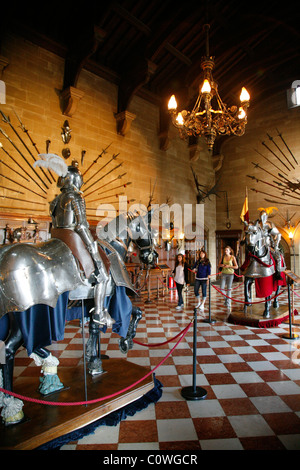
245 211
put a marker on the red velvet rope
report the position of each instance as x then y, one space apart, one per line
247 303
96 400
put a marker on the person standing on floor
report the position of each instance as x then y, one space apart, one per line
228 264
180 278
202 268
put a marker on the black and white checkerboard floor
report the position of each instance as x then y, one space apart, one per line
251 376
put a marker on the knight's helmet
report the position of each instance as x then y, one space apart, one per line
263 217
72 179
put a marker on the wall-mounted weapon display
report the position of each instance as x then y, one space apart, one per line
20 178
281 174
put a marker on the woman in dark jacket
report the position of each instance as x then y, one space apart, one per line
202 268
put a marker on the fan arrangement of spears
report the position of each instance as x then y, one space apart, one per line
287 187
29 189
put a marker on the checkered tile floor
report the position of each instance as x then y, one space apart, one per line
251 375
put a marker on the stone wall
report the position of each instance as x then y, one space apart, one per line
34 79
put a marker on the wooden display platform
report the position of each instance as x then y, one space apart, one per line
254 316
44 423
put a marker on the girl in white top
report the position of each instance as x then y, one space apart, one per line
181 278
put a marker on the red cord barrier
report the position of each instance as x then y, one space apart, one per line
96 400
155 345
247 303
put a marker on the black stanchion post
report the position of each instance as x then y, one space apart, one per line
291 335
83 347
193 392
209 319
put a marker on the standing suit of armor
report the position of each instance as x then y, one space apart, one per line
68 211
273 236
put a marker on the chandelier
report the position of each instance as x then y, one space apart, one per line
210 117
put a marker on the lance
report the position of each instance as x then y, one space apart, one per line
267 194
33 143
19 184
106 184
99 179
104 151
109 161
280 135
15 171
272 140
19 199
265 145
24 158
269 161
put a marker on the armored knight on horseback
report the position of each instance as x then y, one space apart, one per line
68 211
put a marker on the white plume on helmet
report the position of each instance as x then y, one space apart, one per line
53 162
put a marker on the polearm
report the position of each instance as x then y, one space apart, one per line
269 161
280 135
106 184
272 140
270 150
288 188
19 199
33 143
261 181
14 171
105 165
99 179
26 132
112 189
267 194
104 151
279 202
256 165
24 158
15 161
20 209
10 189
7 120
19 184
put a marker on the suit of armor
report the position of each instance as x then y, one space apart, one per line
68 211
273 237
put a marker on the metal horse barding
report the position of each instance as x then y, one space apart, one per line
262 265
39 274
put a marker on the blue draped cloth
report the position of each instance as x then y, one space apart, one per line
41 325
119 307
